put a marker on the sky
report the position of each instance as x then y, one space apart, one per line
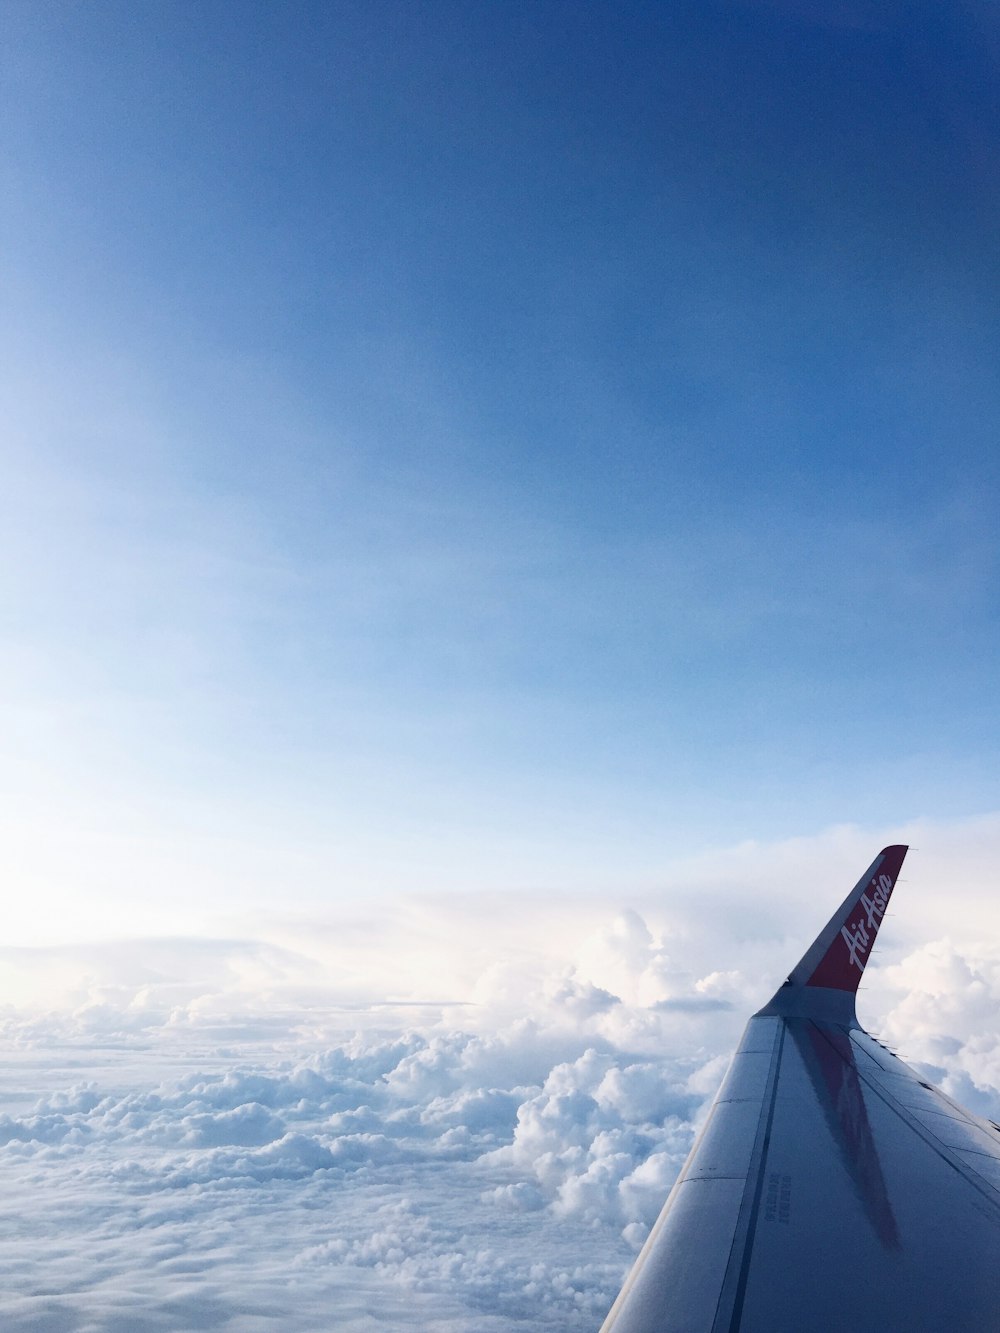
498 526
490 446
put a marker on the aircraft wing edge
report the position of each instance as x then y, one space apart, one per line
713 1205
810 1093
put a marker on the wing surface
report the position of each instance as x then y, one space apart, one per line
831 1188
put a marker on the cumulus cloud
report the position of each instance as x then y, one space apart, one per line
222 1141
491 1163
942 1011
423 1159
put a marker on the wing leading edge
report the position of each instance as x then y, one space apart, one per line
831 1188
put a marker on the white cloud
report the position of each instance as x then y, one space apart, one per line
381 1154
223 1137
484 1166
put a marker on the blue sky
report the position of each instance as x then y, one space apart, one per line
498 514
491 445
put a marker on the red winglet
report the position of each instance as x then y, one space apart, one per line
855 927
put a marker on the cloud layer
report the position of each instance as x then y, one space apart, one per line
238 1135
422 1179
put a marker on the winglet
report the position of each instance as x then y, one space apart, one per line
834 963
838 956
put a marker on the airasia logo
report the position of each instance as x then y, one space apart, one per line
860 934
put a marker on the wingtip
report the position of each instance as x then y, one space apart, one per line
824 984
850 933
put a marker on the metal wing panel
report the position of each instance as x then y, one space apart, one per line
828 1203
683 1268
879 1226
831 1188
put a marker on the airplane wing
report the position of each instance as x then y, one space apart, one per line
831 1189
